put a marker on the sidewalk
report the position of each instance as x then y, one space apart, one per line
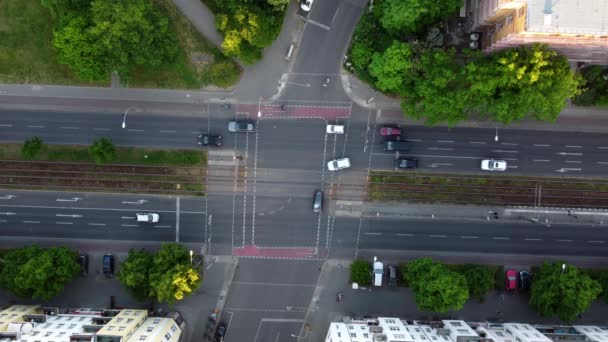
201 17
572 118
539 215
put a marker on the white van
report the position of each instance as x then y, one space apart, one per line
378 272
335 129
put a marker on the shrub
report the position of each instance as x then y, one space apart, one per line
102 150
361 272
31 148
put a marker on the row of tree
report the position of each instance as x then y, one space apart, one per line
558 290
248 26
395 49
42 273
101 150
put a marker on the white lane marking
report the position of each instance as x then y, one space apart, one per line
501 238
372 233
101 129
69 127
533 239
541 160
404 234
477 142
510 144
574 146
602 147
573 161
595 241
68 215
6 125
168 131
414 140
603 163
445 141
135 130
31 221
177 203
96 224
438 236
325 27
440 149
564 240
469 237
35 126
512 166
197 132
64 223
127 217
566 169
541 145
73 199
441 156
129 225
7 213
8 197
3 221
570 153
162 226
505 151
439 164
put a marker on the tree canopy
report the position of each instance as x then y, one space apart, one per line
435 287
564 293
392 67
33 272
398 16
166 276
361 272
98 37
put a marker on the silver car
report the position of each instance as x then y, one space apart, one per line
240 126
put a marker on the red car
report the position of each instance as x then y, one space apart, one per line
511 280
389 131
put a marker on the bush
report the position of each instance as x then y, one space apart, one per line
480 279
102 150
361 272
31 148
499 278
223 73
596 86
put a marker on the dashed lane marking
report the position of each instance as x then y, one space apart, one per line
31 221
501 238
595 241
477 142
541 160
469 237
541 145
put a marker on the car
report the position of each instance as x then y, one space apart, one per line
392 275
406 163
493 165
510 280
208 139
220 332
338 164
240 126
306 5
335 129
402 146
523 281
83 260
108 265
147 217
389 131
378 272
317 201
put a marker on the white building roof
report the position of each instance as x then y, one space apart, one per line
526 333
568 16
593 333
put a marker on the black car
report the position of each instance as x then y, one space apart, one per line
208 139
523 281
401 146
108 265
83 260
406 163
392 275
220 332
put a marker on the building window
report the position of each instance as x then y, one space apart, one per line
167 336
401 336
81 319
110 328
423 337
72 326
350 327
142 337
156 320
417 330
60 325
118 320
129 320
121 328
390 321
394 328
149 329
173 328
456 324
137 313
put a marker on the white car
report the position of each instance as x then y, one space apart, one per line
378 272
147 217
493 165
338 164
335 129
306 5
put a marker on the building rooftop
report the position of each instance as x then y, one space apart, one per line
568 16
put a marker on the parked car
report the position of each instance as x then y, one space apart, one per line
317 201
511 280
108 265
493 165
240 126
392 275
338 164
220 332
402 146
406 163
335 129
389 131
147 217
83 260
524 281
378 272
306 5
210 140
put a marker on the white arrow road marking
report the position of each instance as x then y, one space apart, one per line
127 217
8 213
569 153
566 169
141 201
439 164
7 197
73 199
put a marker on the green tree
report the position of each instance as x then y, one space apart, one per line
595 91
480 280
392 67
32 272
278 4
435 287
134 273
562 292
102 150
361 272
408 16
31 148
175 284
603 281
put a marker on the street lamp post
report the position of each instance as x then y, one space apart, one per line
191 254
124 117
259 107
496 135
563 269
